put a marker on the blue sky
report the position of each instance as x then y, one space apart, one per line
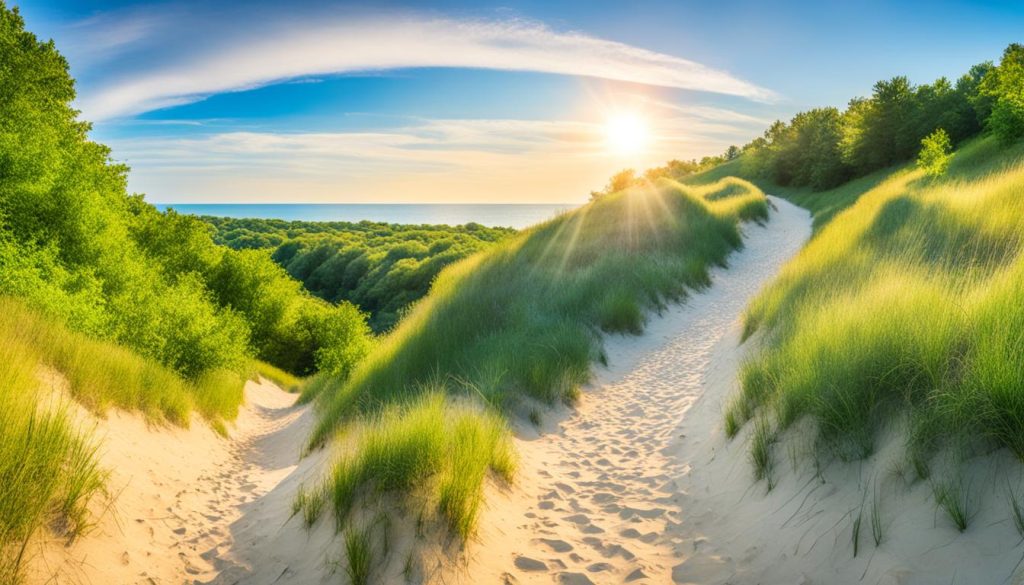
469 101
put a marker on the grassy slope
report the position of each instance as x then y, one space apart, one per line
905 308
520 323
48 469
823 205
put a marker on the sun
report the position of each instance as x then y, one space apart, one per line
627 133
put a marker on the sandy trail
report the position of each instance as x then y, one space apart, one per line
192 507
597 500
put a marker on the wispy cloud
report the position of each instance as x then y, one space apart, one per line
423 160
291 50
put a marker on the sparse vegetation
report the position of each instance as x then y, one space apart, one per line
855 530
877 527
761 441
358 554
1016 509
953 496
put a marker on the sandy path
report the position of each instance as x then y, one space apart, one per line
597 500
192 507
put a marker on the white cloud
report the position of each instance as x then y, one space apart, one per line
293 50
424 160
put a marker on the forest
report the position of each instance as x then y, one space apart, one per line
381 268
824 147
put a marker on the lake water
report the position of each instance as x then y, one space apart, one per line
493 215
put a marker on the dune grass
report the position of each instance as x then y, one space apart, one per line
435 447
48 471
284 380
101 374
906 307
517 325
524 319
48 467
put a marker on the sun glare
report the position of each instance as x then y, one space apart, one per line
627 133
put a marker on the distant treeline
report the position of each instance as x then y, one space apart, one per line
76 246
380 267
823 147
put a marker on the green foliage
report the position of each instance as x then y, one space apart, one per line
382 268
1004 86
823 148
74 245
130 306
101 374
936 152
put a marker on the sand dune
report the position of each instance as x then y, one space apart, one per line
597 500
189 506
639 484
635 485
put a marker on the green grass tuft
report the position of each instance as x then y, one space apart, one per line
433 446
954 497
761 441
359 554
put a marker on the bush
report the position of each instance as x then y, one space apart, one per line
936 152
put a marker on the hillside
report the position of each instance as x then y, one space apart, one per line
904 311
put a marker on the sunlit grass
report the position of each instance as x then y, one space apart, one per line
101 374
48 470
440 449
906 307
524 319
283 379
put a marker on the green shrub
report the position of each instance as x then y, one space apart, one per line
936 150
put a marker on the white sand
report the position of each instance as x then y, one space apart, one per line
190 506
639 484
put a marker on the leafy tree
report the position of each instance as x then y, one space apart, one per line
1004 85
76 245
620 181
936 152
